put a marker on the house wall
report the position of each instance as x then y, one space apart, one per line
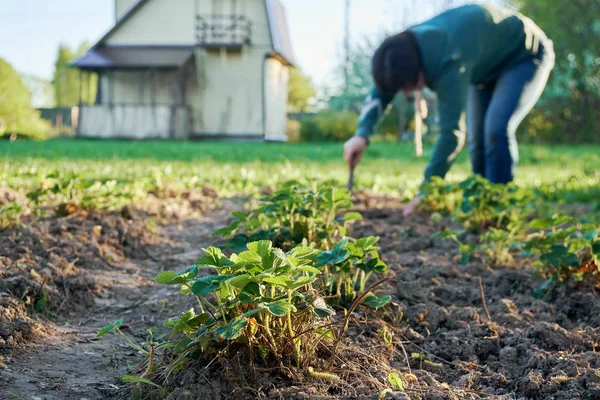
276 88
122 6
227 97
153 23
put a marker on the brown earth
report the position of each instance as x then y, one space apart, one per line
444 346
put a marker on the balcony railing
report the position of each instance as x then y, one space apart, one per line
222 30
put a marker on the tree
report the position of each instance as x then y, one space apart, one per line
16 114
568 108
67 83
300 91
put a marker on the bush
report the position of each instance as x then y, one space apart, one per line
292 130
17 117
329 127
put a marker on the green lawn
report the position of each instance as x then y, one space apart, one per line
241 167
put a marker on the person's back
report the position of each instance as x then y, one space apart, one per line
485 39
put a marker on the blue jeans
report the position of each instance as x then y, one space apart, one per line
495 110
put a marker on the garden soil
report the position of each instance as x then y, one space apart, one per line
91 268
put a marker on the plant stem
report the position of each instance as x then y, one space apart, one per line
135 346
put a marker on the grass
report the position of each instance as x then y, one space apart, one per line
570 172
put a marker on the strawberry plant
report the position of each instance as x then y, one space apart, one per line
485 205
567 251
261 300
439 196
348 266
464 249
291 215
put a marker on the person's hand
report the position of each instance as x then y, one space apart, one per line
353 150
411 207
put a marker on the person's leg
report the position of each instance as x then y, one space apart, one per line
515 94
477 104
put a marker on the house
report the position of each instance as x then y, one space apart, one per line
190 69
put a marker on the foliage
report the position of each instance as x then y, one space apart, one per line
67 80
292 214
348 266
464 249
263 301
110 174
568 251
476 202
485 205
329 126
75 191
16 114
300 91
567 110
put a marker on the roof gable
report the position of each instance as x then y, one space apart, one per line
277 21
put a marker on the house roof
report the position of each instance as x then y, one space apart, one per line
132 57
278 28
280 35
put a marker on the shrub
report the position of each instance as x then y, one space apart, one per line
17 117
329 126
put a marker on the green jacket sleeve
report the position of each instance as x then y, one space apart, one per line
452 90
373 109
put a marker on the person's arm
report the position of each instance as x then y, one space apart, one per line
452 94
373 110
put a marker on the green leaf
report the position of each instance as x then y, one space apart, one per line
280 308
396 382
367 243
253 312
213 257
447 234
252 288
337 255
559 255
309 269
250 257
109 328
591 235
233 330
240 281
228 230
182 345
242 216
276 280
322 309
376 302
294 284
353 216
373 265
205 285
262 248
303 253
167 277
138 379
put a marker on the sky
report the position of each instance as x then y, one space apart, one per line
31 30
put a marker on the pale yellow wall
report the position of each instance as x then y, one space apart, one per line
228 99
276 86
135 87
122 6
172 22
